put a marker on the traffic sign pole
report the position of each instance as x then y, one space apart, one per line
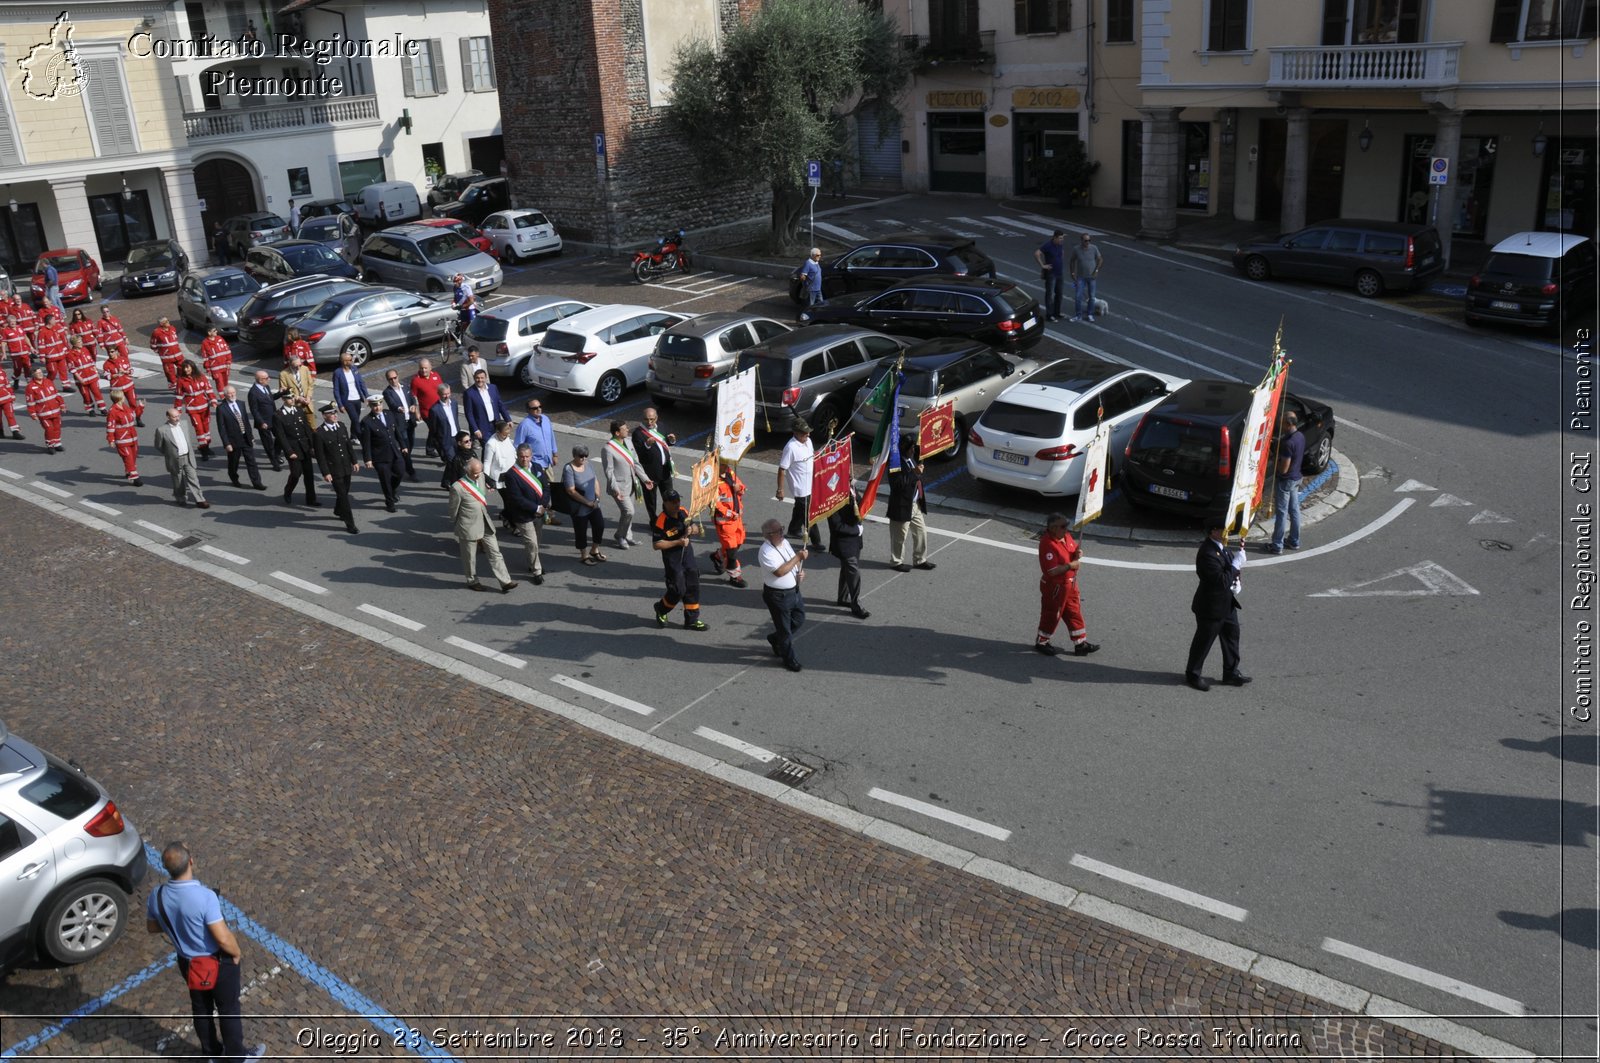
814 179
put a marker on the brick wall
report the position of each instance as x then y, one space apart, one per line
570 70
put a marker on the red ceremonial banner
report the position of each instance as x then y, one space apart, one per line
830 480
1267 442
936 429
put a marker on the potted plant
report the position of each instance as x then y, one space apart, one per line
1068 174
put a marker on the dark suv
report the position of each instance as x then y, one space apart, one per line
1531 278
873 266
244 231
449 187
1371 256
814 373
478 201
997 312
265 318
1183 455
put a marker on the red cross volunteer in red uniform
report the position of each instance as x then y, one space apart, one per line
1059 560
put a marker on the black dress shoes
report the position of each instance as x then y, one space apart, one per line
926 566
860 614
1197 682
1237 679
1083 649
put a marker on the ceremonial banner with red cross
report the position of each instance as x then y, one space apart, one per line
936 429
1092 495
830 480
1253 462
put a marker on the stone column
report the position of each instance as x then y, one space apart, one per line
77 225
1447 145
1162 157
183 211
1227 162
1296 165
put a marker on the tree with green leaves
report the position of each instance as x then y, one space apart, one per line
774 95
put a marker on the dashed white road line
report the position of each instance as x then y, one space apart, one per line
50 489
97 507
234 558
8 474
394 618
935 812
841 231
296 581
484 651
765 756
1164 889
1424 976
604 695
1016 223
158 529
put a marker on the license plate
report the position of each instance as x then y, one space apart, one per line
1427 261
1028 324
485 282
1168 492
147 284
1501 304
1010 458
547 382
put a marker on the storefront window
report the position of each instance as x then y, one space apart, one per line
21 238
1568 203
1474 180
1196 191
120 221
1040 138
957 160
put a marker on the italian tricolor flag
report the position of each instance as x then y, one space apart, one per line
885 398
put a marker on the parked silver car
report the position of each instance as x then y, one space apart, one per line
691 358
214 296
424 258
367 321
506 335
68 859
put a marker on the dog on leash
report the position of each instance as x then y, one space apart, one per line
1101 308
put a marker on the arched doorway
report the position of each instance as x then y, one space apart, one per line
226 187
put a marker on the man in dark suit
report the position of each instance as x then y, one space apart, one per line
845 529
260 399
908 506
296 443
383 450
233 425
483 408
402 414
1216 608
444 423
653 447
336 460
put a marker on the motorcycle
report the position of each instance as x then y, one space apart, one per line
669 254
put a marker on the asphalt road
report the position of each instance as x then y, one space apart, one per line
1389 803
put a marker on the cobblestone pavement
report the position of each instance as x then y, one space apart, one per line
472 865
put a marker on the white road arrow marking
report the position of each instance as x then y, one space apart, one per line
1489 516
1377 473
1414 485
1434 579
1448 500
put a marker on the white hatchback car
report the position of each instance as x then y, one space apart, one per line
600 352
1034 435
520 234
507 334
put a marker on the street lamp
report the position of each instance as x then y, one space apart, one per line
13 204
1227 130
1540 141
1365 139
127 193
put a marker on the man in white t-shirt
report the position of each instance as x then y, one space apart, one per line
794 475
780 590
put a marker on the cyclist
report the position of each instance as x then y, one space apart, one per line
465 303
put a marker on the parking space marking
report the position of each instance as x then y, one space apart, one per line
97 507
1424 976
159 530
1018 224
1164 889
484 651
935 812
296 581
8 474
51 490
841 232
603 695
83 1011
233 558
765 756
394 618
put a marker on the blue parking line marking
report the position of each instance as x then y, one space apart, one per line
1321 478
611 414
28 1044
358 1004
686 440
946 478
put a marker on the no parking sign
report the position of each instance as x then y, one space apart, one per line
1438 171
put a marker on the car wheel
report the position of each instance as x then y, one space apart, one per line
797 292
1257 268
434 287
821 417
84 921
1369 284
526 373
958 451
359 351
509 254
610 388
1318 459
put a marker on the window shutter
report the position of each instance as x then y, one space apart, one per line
488 62
1504 23
408 79
1063 16
467 81
436 50
10 153
1586 22
1335 14
1022 18
108 106
1410 28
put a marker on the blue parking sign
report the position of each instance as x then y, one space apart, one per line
813 173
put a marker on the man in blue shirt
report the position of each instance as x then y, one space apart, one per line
810 276
539 433
1286 491
190 915
1052 261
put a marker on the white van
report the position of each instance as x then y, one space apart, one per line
388 203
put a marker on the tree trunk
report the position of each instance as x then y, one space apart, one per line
788 211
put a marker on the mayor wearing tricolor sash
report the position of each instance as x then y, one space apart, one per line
474 527
524 496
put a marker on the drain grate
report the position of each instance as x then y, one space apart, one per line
791 773
187 541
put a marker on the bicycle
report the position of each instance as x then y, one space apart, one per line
454 336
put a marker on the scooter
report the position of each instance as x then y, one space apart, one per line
669 254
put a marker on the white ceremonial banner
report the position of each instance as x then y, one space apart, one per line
736 415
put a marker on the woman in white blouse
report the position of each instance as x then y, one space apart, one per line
499 454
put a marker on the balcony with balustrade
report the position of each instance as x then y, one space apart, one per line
974 49
340 112
1366 66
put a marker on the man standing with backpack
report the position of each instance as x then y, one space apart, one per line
190 915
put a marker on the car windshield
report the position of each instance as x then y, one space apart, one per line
528 221
1190 450
1015 419
62 262
326 310
681 348
918 383
61 791
1017 300
489 329
267 221
446 247
462 229
150 257
565 342
772 373
311 257
231 285
1521 267
320 228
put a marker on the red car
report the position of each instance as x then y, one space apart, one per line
77 273
468 233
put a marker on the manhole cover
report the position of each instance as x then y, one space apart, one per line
791 773
187 541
